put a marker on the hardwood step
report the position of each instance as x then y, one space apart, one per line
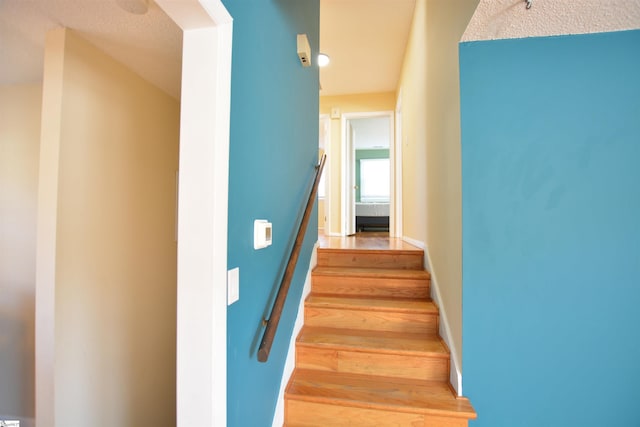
371 281
366 258
370 313
387 354
317 398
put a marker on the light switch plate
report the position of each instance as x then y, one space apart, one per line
233 285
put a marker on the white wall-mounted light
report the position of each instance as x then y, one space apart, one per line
323 59
304 50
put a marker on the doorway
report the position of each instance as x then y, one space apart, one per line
368 154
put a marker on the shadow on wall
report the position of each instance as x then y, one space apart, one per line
17 349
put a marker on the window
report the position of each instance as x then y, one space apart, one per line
374 180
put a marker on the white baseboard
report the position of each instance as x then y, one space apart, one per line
290 363
455 374
333 234
421 245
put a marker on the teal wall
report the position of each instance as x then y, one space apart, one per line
273 151
551 230
367 154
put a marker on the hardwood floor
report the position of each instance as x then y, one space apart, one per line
369 353
365 241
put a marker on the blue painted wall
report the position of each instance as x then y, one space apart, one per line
551 230
274 147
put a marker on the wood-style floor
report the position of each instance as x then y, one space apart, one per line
365 241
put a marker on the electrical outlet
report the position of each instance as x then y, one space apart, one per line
233 285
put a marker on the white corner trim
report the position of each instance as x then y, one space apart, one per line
290 362
455 374
201 347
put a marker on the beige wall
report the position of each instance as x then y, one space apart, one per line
358 103
430 94
412 90
113 138
19 147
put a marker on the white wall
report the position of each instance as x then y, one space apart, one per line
108 279
19 147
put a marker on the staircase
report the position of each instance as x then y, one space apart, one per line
369 353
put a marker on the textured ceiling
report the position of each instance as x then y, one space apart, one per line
149 44
366 40
507 19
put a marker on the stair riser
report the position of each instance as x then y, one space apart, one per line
314 414
386 365
406 261
371 286
371 320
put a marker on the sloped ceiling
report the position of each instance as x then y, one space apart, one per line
149 44
366 40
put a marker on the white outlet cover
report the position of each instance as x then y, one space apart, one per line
233 285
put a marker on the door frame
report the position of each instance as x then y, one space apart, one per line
201 355
396 186
348 198
325 122
348 168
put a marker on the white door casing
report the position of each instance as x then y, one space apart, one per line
348 173
201 371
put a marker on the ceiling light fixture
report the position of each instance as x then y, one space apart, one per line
323 60
137 7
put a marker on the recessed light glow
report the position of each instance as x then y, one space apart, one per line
323 60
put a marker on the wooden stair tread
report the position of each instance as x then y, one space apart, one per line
369 352
373 251
373 341
350 302
364 241
367 258
381 273
394 394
